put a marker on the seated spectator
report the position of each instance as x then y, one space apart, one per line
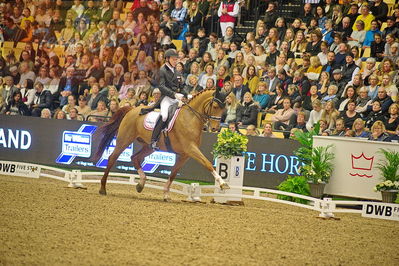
68 85
95 96
309 99
359 128
113 107
208 74
330 115
313 47
350 115
83 108
59 115
378 132
282 116
27 92
377 48
73 115
71 104
233 127
99 114
339 130
45 113
349 94
391 48
143 99
130 99
362 101
365 16
252 131
248 114
368 70
16 106
262 95
358 35
389 87
293 94
313 72
268 131
315 115
369 38
331 95
376 114
252 79
42 99
178 16
391 121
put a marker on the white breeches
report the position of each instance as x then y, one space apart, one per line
165 103
224 25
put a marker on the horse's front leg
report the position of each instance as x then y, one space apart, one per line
181 160
195 153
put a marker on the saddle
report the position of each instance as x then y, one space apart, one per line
152 117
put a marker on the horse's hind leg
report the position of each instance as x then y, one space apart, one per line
137 159
196 154
180 162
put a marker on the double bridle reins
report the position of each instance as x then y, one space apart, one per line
206 116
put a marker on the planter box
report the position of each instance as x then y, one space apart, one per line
232 171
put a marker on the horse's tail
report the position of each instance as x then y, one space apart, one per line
107 131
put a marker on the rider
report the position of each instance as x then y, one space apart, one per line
170 87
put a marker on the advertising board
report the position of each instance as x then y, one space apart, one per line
70 144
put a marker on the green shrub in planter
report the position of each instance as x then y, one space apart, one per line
229 144
294 184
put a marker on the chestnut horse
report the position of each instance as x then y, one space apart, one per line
185 136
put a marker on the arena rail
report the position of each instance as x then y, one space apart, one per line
194 191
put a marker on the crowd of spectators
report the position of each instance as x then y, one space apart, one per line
336 64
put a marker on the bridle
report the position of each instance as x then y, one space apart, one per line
206 116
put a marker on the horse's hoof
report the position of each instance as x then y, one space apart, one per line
139 188
167 199
102 192
224 186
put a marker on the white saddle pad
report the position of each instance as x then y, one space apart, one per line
152 117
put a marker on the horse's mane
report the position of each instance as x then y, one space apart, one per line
198 94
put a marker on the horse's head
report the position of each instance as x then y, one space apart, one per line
214 110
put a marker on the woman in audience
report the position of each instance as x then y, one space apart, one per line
392 121
252 79
323 83
99 114
282 116
313 47
262 97
330 114
248 114
358 35
298 45
16 106
350 115
268 131
120 58
208 74
130 99
376 114
71 104
315 115
232 108
45 113
372 88
390 88
350 94
27 92
308 100
362 101
276 101
378 132
222 76
60 115
126 85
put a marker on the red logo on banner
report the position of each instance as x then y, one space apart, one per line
362 163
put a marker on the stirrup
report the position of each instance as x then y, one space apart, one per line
154 146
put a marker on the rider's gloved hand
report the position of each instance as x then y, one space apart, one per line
180 104
179 96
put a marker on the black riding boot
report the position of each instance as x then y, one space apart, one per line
156 133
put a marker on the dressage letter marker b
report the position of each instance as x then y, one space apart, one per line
223 170
231 170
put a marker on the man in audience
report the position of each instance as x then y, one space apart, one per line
42 99
239 89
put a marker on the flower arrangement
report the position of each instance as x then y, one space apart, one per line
387 185
388 167
230 144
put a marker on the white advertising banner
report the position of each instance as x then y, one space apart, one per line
355 173
19 169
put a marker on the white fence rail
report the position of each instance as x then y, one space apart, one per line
194 191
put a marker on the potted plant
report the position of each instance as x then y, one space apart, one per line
317 161
388 168
229 154
229 144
